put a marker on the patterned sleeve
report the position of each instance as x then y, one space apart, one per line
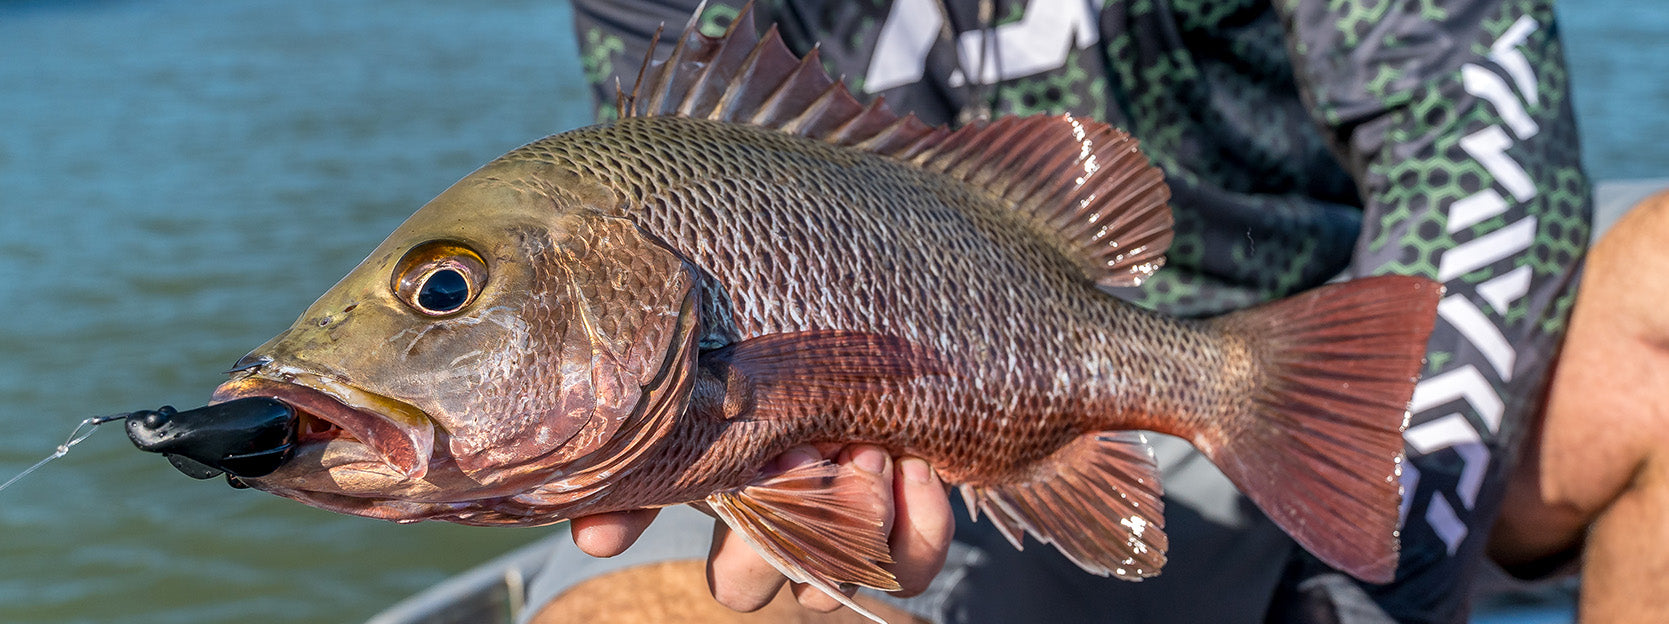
1455 118
614 35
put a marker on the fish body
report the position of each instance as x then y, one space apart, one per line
644 313
804 236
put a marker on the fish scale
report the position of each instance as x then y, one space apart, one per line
955 423
963 253
979 278
750 260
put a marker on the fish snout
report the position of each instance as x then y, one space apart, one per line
250 362
249 437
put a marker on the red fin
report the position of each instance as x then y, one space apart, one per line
742 78
1084 184
1096 499
813 531
793 374
1322 448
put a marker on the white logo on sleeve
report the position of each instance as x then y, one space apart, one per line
1039 42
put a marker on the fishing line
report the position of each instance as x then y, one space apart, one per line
76 436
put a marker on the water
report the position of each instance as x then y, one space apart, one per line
78 435
179 179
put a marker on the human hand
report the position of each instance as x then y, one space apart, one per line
918 525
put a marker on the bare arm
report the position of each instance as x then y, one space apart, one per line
1596 475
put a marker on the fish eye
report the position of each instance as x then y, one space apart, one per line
439 278
445 290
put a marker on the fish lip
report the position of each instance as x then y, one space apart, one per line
401 435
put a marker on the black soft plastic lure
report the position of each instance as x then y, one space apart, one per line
248 437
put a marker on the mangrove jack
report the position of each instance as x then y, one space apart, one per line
643 313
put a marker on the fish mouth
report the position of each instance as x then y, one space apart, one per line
401 435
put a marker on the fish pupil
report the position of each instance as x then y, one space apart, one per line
444 291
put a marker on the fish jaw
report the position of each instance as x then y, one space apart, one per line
385 431
364 454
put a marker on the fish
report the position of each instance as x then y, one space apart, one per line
645 312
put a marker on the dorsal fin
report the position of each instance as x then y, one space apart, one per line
1083 184
1084 181
743 78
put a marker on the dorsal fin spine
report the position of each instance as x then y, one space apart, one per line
922 143
851 131
916 136
1109 218
943 157
689 105
627 105
663 87
718 77
881 140
904 137
806 123
770 112
841 109
731 102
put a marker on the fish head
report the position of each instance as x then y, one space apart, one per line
499 339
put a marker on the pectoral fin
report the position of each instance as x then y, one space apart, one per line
814 528
802 374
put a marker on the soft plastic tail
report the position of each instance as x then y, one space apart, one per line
1321 450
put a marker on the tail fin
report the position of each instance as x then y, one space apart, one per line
1321 449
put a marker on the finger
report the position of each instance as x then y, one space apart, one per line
609 534
874 465
921 535
798 456
817 600
736 575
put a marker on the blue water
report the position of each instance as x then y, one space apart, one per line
179 179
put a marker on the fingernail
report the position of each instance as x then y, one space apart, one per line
916 470
872 461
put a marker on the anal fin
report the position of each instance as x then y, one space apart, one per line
814 528
1096 499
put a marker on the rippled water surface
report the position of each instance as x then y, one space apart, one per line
179 179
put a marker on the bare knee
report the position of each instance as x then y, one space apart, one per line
1644 228
1655 207
1627 553
676 591
1603 419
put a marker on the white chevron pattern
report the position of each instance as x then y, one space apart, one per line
1471 387
1039 42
